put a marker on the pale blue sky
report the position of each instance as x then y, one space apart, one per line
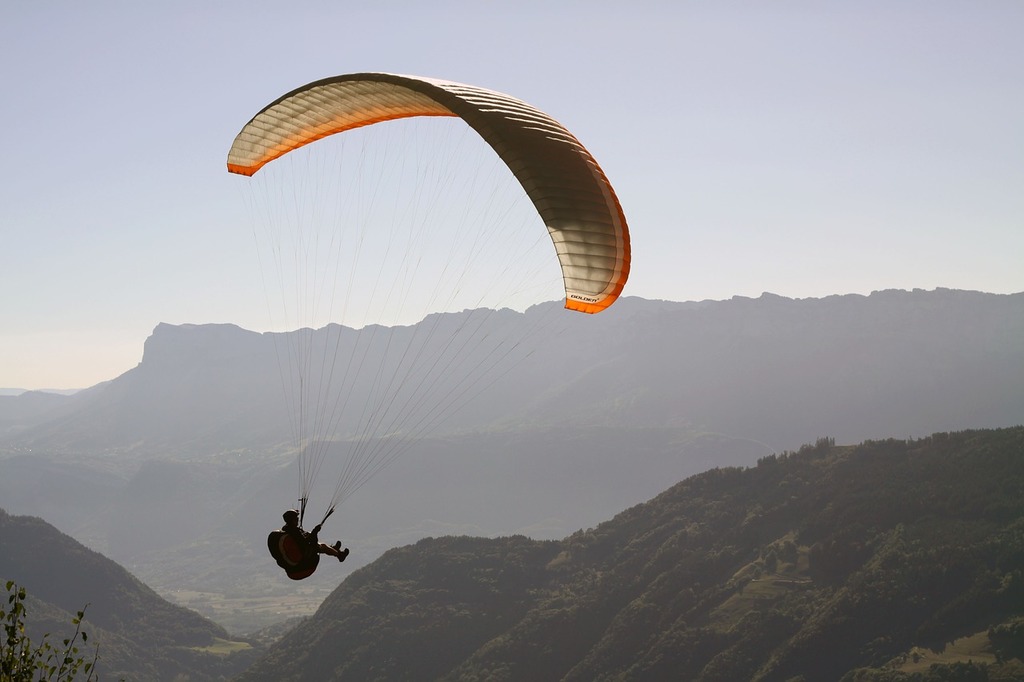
801 148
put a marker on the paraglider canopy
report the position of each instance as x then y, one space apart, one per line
563 180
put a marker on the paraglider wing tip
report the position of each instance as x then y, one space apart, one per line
242 170
588 306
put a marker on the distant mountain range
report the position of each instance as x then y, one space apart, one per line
191 449
774 370
19 391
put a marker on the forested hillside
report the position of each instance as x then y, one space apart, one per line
853 563
140 635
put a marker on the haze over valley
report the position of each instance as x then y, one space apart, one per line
179 467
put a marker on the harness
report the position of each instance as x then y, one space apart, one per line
299 560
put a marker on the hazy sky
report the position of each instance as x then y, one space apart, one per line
801 148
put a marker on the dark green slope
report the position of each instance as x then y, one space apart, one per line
140 635
420 611
809 566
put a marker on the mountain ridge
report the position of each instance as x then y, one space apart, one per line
140 635
217 387
195 444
